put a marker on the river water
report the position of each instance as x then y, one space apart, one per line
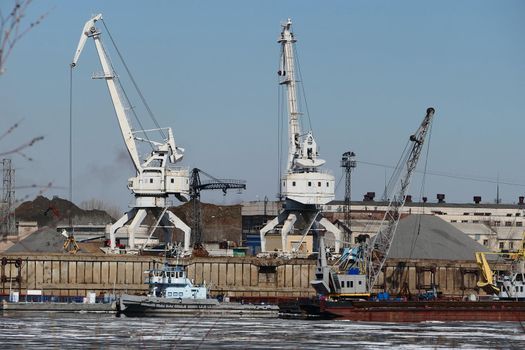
91 331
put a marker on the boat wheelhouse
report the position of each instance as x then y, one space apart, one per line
171 282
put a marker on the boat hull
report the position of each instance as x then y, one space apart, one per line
137 306
418 311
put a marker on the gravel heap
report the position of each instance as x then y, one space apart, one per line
437 239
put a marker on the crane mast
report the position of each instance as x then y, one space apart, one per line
378 250
287 74
302 149
155 178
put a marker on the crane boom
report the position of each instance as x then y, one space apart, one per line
109 75
378 249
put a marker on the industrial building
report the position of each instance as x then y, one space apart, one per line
499 227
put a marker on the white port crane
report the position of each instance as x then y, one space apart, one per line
304 186
156 179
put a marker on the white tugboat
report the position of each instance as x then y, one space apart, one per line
171 282
172 293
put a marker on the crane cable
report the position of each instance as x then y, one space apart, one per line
143 99
303 93
70 144
126 97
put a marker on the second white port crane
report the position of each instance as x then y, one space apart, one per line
156 178
305 186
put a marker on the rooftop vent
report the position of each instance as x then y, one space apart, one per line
369 197
408 198
477 199
440 197
520 200
425 199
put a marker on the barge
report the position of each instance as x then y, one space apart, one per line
405 311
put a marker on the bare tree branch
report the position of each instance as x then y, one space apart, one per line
12 28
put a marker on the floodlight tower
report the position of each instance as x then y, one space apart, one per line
348 162
304 186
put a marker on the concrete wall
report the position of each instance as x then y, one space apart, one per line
74 275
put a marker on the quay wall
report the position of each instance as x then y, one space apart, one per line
75 275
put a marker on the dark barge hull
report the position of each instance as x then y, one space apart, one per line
131 305
410 311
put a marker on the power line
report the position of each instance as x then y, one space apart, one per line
452 176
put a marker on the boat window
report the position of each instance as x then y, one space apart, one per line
169 294
360 282
351 284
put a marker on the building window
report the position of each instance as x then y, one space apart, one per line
508 223
172 180
293 183
309 184
497 223
485 242
284 183
327 184
501 245
453 221
464 221
319 184
475 221
511 245
519 223
477 237
509 214
465 213
518 214
150 181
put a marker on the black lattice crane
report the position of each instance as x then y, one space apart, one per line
209 183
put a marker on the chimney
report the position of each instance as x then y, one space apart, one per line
425 199
408 198
520 200
477 199
369 197
440 197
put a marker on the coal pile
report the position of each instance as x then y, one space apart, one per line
57 211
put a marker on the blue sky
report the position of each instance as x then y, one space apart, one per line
208 70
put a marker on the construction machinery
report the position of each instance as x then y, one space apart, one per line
503 284
198 184
70 244
355 274
157 178
304 186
